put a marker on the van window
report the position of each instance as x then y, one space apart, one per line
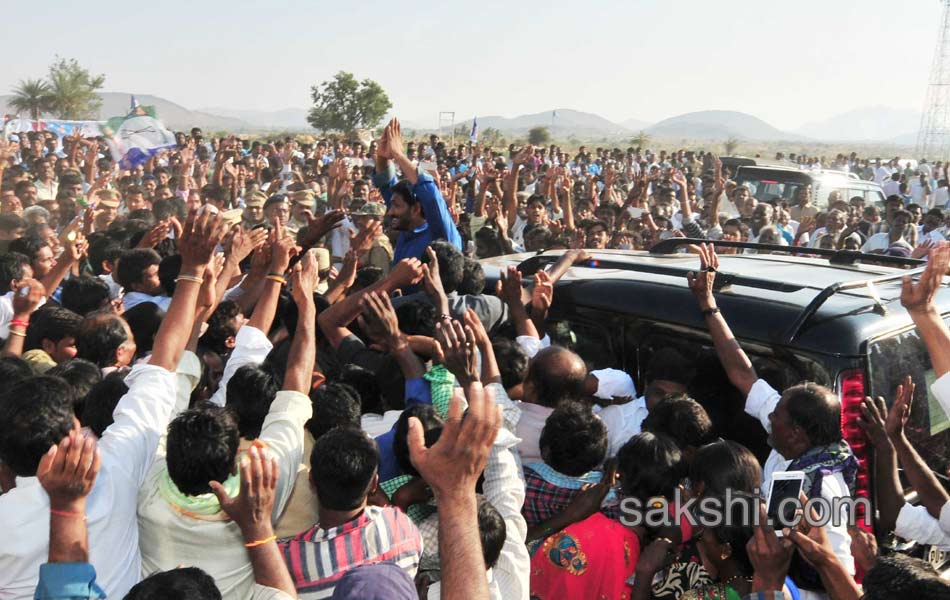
590 335
712 388
892 359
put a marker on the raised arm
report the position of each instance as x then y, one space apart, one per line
918 300
396 151
890 496
734 359
510 290
283 249
200 237
303 349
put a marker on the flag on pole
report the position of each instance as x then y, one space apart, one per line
474 135
135 109
136 137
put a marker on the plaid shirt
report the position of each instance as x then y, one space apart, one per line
318 558
548 493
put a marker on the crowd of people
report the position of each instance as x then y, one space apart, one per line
271 370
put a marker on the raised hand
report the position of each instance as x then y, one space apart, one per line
918 298
405 273
457 343
68 471
200 236
304 279
702 285
899 412
509 286
27 297
872 422
156 234
317 227
362 242
252 508
380 317
543 293
283 249
245 242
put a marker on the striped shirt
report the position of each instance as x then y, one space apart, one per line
318 558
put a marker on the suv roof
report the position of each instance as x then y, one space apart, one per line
784 300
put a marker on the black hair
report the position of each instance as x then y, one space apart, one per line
103 249
99 337
473 278
70 178
169 207
898 575
417 317
82 376
342 466
404 190
144 319
817 410
366 385
451 264
133 264
168 271
36 414
725 465
431 425
334 405
512 362
574 439
14 369
365 277
667 364
51 323
682 419
99 404
491 531
201 447
650 465
185 583
251 390
11 268
84 294
11 221
221 327
28 245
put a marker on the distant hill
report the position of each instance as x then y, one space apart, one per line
873 123
564 120
719 125
286 119
174 116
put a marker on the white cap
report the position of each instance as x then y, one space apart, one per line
613 383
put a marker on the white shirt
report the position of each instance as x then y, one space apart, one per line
127 447
251 347
933 235
891 188
6 313
915 523
881 242
881 173
169 538
761 402
623 421
504 489
941 197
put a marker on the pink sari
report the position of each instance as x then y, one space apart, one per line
590 559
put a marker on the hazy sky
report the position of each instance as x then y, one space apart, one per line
788 62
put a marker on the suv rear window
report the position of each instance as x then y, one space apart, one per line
890 360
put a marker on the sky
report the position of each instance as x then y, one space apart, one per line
787 62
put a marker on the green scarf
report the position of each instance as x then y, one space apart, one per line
441 383
204 507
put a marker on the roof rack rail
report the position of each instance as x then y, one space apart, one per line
835 257
816 303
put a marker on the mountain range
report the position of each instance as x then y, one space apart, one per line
877 124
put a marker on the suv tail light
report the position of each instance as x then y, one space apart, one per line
852 395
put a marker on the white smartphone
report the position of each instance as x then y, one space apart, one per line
784 491
634 212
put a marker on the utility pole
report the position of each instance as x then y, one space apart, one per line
933 138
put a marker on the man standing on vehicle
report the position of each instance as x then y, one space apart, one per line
804 426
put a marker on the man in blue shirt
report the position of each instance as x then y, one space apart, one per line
415 205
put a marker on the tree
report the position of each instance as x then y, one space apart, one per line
345 104
490 136
641 140
730 145
31 96
73 90
538 136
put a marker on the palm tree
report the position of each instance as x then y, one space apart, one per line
641 140
31 96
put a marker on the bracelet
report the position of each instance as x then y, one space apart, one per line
19 323
710 312
260 542
278 278
445 317
664 539
190 278
64 513
17 333
275 274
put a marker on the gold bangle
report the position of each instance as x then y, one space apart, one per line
260 542
17 333
190 278
277 278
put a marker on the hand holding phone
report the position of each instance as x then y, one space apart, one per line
784 502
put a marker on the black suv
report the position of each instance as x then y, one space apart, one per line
826 316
